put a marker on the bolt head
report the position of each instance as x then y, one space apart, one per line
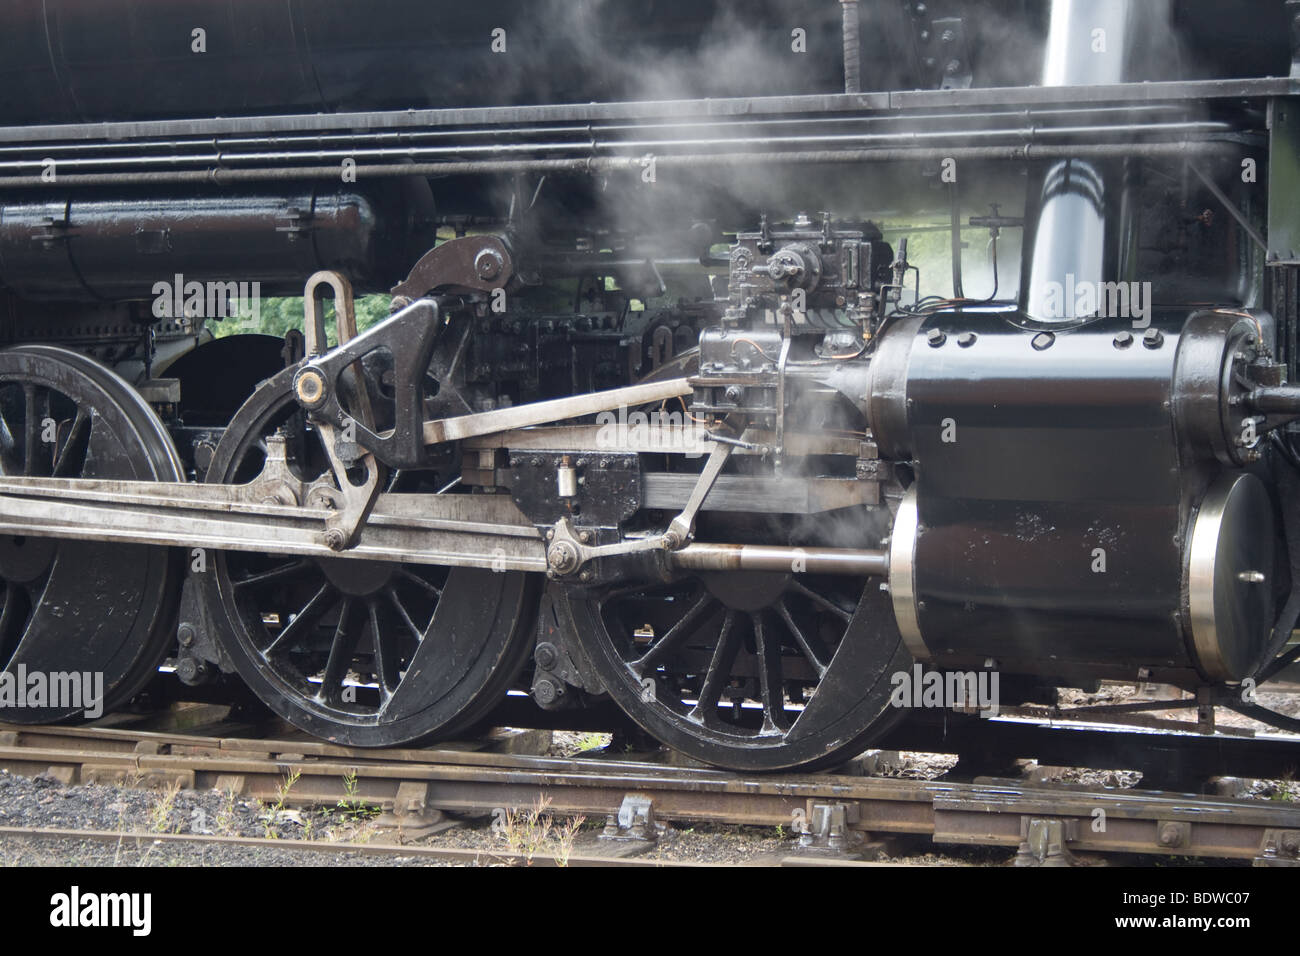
335 539
935 338
546 655
488 264
1153 338
967 339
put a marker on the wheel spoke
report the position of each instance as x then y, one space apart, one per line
810 644
381 654
719 672
275 574
420 582
31 427
78 426
822 602
768 652
686 625
342 648
411 626
320 602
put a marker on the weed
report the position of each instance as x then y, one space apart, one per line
269 829
592 742
227 816
160 815
564 837
533 831
351 806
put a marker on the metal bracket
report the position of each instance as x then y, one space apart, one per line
567 551
828 829
351 503
471 264
411 813
1279 848
1044 841
635 820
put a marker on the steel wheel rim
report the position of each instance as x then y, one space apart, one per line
99 608
450 640
678 682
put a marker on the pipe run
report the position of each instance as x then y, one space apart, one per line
599 164
852 47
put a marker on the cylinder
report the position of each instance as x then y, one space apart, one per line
1074 512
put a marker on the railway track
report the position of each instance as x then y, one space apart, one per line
836 812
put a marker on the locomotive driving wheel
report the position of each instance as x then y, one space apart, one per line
363 653
747 670
97 609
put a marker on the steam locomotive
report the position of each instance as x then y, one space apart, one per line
743 360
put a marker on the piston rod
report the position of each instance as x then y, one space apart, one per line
755 557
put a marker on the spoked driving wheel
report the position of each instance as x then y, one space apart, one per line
80 619
364 653
748 670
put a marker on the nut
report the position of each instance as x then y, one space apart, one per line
562 557
546 655
488 264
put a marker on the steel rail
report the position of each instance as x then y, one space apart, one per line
992 813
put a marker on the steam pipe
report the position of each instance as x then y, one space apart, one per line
232 159
852 47
1020 153
1087 45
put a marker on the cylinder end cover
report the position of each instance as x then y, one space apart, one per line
1230 576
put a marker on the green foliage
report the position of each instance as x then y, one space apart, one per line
279 315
